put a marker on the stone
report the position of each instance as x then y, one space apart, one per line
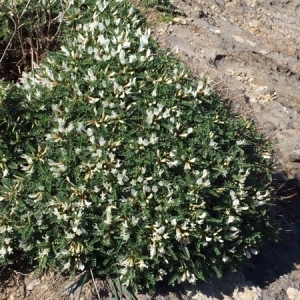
252 44
294 156
30 286
238 38
247 293
180 20
293 294
293 170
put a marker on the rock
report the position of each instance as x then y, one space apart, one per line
252 44
247 293
294 156
180 20
293 294
238 38
293 169
33 284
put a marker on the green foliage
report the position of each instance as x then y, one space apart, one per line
113 157
4 88
153 3
161 5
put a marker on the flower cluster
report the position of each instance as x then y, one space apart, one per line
125 163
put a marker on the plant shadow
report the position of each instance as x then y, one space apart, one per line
279 258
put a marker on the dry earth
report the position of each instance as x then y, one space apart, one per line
251 50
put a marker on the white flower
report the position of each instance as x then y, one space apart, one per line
259 196
45 252
204 173
89 132
248 254
172 164
150 116
161 230
23 245
96 189
240 142
108 220
143 142
178 234
87 204
90 75
166 114
227 160
205 183
154 189
65 51
213 144
69 128
67 265
102 5
192 278
152 251
2 252
233 228
225 258
203 216
122 57
153 139
80 266
126 44
132 58
134 220
161 273
235 200
7 241
5 172
142 265
144 39
101 141
266 155
80 127
230 219
190 130
253 251
28 158
133 192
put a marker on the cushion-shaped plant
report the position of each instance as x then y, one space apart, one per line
114 158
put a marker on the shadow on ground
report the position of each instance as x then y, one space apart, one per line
277 259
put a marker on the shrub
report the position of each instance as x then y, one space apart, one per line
28 28
112 157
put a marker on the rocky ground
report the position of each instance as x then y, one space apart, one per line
251 50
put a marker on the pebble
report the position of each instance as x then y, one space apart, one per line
294 156
30 286
252 44
238 38
293 294
180 20
247 293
